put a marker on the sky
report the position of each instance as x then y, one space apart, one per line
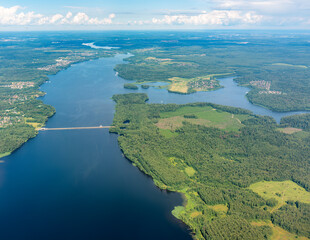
153 14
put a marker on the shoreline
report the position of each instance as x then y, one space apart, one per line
2 155
185 198
146 162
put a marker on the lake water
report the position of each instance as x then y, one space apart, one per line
76 184
231 95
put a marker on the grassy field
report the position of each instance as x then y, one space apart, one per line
178 85
279 233
206 116
188 85
168 133
281 191
33 124
221 208
290 130
182 166
190 171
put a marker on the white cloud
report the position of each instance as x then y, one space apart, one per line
69 15
273 7
14 16
243 13
80 18
265 13
215 17
55 18
9 16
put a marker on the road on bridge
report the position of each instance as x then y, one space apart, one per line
73 128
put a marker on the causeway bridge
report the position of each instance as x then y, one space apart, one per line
72 128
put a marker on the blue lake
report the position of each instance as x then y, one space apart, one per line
76 184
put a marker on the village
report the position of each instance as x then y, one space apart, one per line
64 62
19 85
203 84
61 62
261 84
264 85
6 121
270 92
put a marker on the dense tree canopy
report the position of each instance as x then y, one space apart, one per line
213 166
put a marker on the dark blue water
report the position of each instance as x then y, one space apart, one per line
76 184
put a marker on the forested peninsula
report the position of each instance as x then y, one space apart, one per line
241 176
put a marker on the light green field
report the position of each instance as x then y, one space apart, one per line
180 85
190 171
182 166
34 124
168 133
281 191
221 208
279 233
206 116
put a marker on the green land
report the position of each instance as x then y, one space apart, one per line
277 72
187 69
240 176
206 116
281 191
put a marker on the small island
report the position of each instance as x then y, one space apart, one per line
130 86
144 86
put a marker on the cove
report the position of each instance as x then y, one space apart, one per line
231 95
77 184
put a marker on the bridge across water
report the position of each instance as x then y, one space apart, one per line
73 128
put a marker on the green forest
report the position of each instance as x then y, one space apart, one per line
297 121
214 166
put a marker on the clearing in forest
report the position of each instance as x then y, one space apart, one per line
206 116
189 85
290 130
221 208
279 233
281 191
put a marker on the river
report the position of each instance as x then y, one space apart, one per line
76 184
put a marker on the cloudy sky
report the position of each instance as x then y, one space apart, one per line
153 14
